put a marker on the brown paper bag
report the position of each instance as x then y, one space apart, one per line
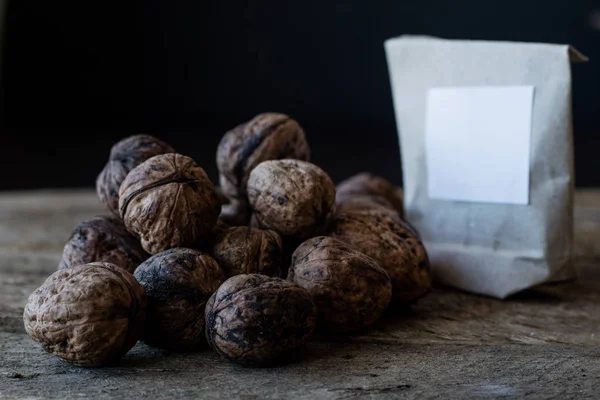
485 133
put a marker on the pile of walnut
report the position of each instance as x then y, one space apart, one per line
251 269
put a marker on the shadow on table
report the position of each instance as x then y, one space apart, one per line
146 357
564 312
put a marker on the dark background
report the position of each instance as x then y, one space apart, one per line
78 76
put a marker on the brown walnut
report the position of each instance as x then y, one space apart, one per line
366 183
88 315
349 288
289 244
105 239
268 136
365 203
291 197
220 227
393 245
124 156
372 205
168 201
178 284
257 320
243 250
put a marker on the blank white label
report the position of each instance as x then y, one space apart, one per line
477 143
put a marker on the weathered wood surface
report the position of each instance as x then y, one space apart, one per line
544 343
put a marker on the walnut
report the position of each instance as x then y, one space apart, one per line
372 205
220 227
178 284
365 203
236 213
291 197
243 250
104 239
257 320
88 315
368 184
393 245
268 136
349 288
124 156
168 201
289 244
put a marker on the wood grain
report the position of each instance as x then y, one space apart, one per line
541 343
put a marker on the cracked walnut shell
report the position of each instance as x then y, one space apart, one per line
393 245
243 250
349 288
124 156
293 198
88 315
257 320
178 284
268 136
168 201
103 239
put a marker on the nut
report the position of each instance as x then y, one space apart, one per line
168 201
349 288
103 239
393 245
178 284
242 250
372 205
256 320
289 244
293 198
365 183
124 156
365 203
88 315
220 227
268 136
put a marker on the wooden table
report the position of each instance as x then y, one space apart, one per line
544 343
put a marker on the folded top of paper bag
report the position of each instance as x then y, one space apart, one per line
418 40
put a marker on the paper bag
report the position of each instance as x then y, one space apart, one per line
485 132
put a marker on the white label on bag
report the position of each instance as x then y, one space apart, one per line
477 143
